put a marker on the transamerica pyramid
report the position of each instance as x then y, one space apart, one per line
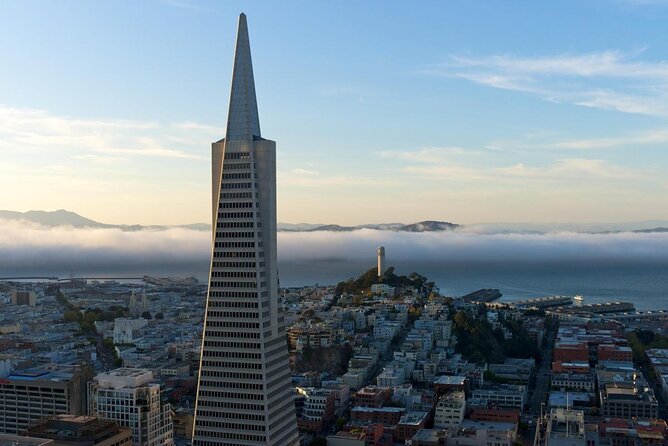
244 391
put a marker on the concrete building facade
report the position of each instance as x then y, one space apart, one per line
244 394
131 398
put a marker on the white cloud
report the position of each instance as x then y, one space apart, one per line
39 131
583 79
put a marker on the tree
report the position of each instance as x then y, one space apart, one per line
318 441
159 316
146 315
71 316
340 422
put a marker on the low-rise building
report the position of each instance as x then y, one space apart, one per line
409 425
450 410
503 395
72 430
565 427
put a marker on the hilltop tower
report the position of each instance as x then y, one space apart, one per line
244 391
381 261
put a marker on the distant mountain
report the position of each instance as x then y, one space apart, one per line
61 217
659 229
423 226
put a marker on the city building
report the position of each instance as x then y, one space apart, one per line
409 425
476 433
450 410
125 329
383 288
73 430
131 398
317 411
244 394
372 396
504 395
565 427
387 416
20 440
20 297
27 396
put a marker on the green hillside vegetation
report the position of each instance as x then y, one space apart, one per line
479 343
363 283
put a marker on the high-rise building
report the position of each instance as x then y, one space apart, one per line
27 396
131 398
244 394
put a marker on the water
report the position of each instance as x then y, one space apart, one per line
643 283
646 285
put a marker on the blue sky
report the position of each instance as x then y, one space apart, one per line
467 111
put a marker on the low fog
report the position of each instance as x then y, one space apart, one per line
307 257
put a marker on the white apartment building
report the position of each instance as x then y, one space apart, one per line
124 329
504 395
450 410
130 398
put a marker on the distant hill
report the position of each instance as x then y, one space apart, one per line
423 226
62 217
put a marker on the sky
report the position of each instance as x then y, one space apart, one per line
383 111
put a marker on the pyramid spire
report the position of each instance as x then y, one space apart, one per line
243 122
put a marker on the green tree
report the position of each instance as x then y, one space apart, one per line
146 315
340 422
159 316
71 316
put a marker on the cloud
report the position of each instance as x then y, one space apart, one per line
651 137
610 80
39 131
27 250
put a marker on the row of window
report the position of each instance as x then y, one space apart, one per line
236 166
233 395
238 274
228 215
233 254
228 435
231 314
235 324
237 265
237 155
229 365
229 415
218 424
236 205
232 344
237 244
216 284
236 175
233 195
232 375
237 185
232 334
232 385
236 224
220 304
246 234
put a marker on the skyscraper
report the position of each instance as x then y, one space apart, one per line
244 394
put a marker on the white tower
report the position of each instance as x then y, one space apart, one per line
381 261
244 391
